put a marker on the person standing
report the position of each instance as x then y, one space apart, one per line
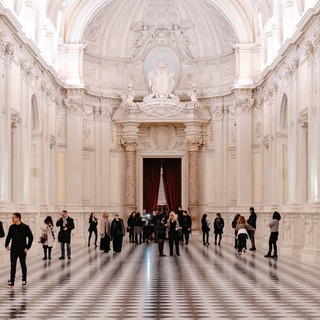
173 229
130 226
93 222
21 238
117 233
274 234
66 225
218 226
2 234
104 231
138 228
48 230
186 226
234 224
252 221
160 229
205 229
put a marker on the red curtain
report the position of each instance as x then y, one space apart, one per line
172 182
151 182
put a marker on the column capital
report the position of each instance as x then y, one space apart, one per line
129 144
194 144
74 106
6 46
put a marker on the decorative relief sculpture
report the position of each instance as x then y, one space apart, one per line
161 102
171 34
161 82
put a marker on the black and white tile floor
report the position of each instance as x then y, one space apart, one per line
202 283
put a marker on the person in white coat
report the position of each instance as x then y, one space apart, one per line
48 230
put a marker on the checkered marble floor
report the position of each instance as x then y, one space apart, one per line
202 283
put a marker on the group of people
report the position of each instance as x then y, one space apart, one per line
245 229
175 227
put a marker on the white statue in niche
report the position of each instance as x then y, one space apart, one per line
161 82
127 97
193 94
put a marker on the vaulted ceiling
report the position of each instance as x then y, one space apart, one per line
121 28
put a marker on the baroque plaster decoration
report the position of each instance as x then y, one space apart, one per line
15 120
6 46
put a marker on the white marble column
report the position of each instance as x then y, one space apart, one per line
102 122
220 154
292 110
74 153
244 105
24 145
46 104
6 55
313 126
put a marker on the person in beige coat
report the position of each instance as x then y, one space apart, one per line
48 229
105 232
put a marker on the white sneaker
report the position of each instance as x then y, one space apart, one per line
24 283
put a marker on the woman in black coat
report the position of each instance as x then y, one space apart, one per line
205 230
218 228
173 232
93 222
117 233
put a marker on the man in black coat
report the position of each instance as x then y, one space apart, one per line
252 221
66 225
21 238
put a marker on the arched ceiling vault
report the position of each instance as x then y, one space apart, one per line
238 14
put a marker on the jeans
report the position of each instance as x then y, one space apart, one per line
63 250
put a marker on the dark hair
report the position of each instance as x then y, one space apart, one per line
276 215
252 209
65 211
17 214
91 214
48 219
204 217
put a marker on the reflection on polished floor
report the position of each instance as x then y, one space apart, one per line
203 283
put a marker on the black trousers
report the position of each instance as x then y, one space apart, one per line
205 237
96 236
186 237
273 242
160 246
175 241
14 255
242 242
131 236
117 242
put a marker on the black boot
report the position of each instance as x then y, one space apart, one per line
45 252
49 252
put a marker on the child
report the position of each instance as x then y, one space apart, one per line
274 229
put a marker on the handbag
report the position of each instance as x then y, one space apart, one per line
43 238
